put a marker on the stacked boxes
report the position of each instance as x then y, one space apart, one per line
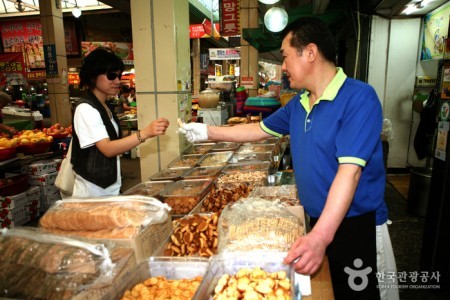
42 174
16 210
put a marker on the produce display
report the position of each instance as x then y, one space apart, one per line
57 130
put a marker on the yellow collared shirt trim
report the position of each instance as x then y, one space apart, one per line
352 160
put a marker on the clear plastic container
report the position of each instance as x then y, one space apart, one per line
215 159
172 268
184 195
203 172
252 148
169 174
259 166
225 146
148 188
283 193
232 263
247 158
199 148
185 161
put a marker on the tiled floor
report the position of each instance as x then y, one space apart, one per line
400 183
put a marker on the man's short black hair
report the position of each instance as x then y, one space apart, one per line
313 30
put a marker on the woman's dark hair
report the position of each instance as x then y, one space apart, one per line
97 62
312 30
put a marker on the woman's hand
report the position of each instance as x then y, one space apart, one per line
155 128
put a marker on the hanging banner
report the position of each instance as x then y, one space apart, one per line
12 69
24 36
122 50
71 39
224 53
51 67
229 17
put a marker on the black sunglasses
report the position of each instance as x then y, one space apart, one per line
112 75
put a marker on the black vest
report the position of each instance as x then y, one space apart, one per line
90 163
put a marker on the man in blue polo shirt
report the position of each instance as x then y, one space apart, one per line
334 128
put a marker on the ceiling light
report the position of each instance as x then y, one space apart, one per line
276 19
76 12
269 1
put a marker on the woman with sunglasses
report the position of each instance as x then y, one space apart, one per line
97 138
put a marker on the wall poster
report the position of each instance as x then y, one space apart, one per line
435 33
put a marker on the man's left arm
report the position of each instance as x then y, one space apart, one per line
310 249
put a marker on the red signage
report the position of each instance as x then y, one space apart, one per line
12 69
36 75
229 17
25 36
73 78
198 31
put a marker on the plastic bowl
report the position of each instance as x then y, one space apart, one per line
35 148
15 185
7 153
58 135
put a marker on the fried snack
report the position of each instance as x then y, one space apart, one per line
253 284
194 235
162 288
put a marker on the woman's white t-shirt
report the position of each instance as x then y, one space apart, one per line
90 129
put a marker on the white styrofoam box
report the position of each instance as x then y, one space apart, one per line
27 208
23 219
44 179
48 189
41 167
14 201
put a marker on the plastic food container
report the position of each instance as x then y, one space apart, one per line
169 174
185 161
257 166
7 153
251 174
225 146
283 193
215 159
172 268
148 188
193 235
203 172
35 148
248 158
231 263
199 148
184 195
252 148
271 140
